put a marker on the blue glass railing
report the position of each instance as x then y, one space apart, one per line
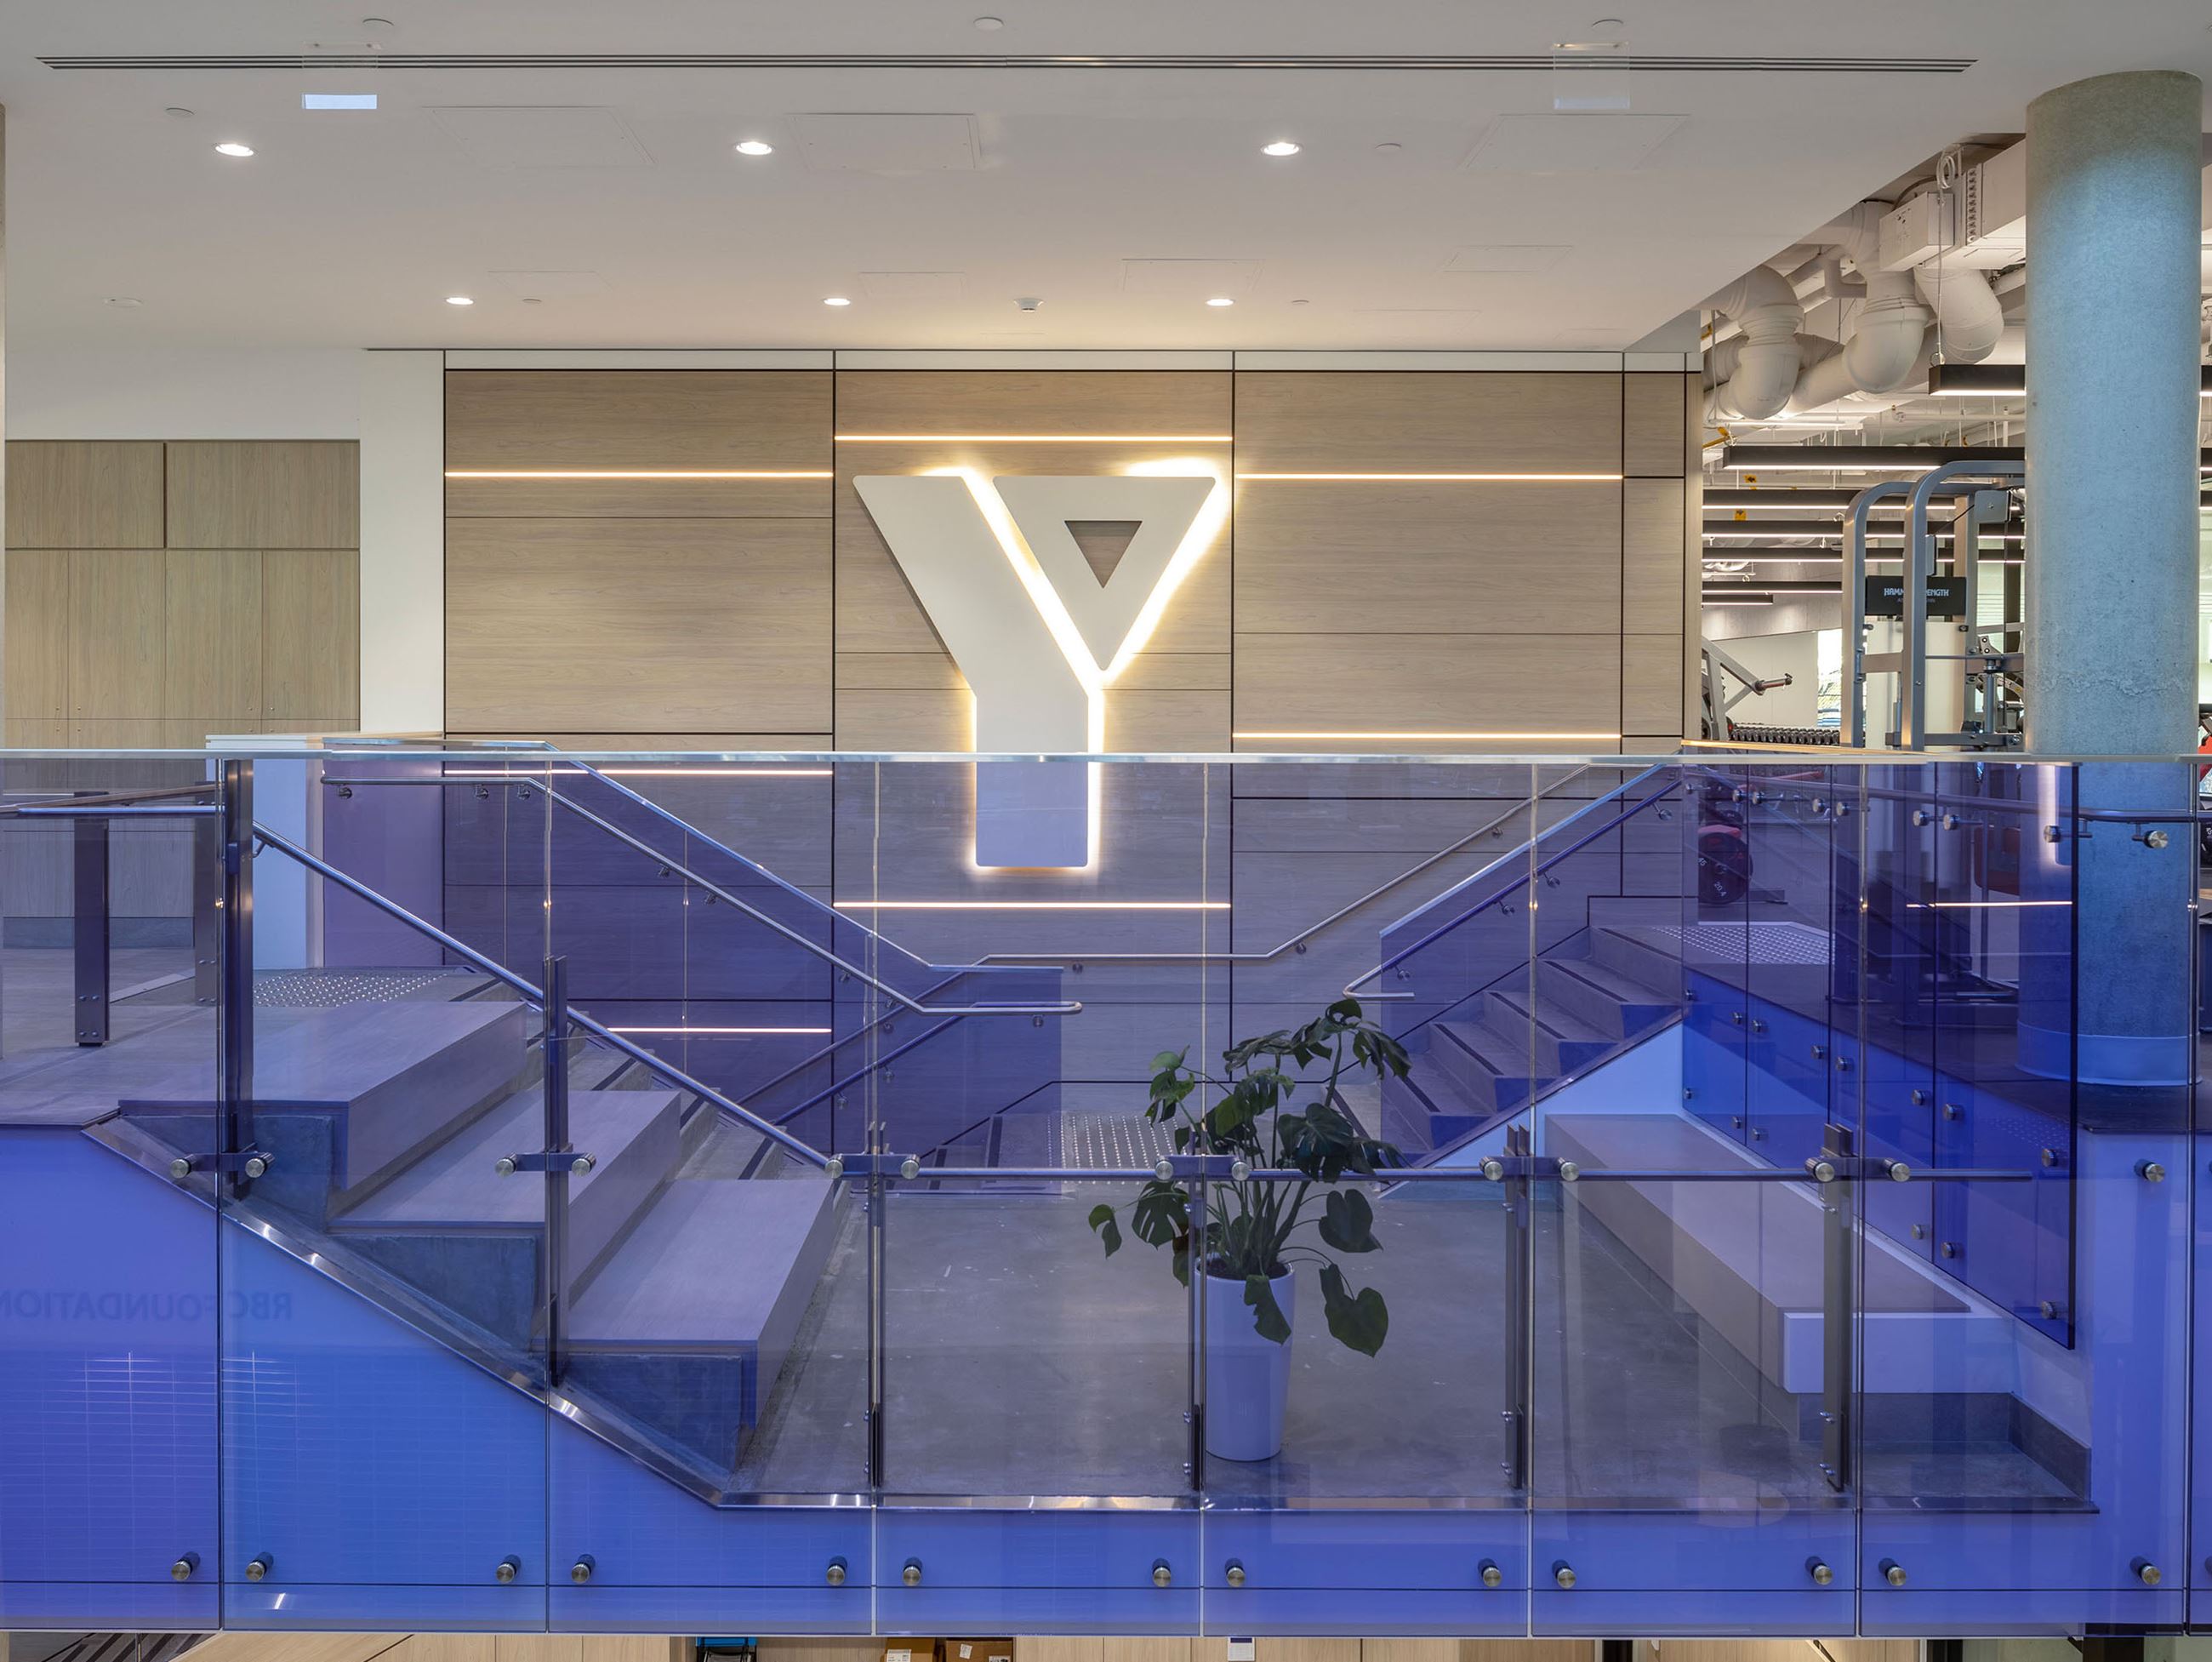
1832 1271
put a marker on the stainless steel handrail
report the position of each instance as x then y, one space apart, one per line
1303 935
670 862
1485 903
1066 1006
661 1070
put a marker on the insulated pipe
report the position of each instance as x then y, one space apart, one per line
1766 362
1968 313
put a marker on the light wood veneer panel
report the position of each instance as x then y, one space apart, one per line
311 635
899 672
238 1646
1031 401
1436 558
84 494
1651 685
118 632
630 626
213 636
1429 683
1420 421
1138 722
1654 419
670 420
1049 1647
906 719
39 633
265 494
1657 565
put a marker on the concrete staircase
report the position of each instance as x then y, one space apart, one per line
1503 1049
386 1117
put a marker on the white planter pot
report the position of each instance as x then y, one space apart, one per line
1248 1378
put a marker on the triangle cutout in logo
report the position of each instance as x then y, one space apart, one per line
1104 542
1105 605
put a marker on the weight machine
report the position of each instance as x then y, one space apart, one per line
1964 708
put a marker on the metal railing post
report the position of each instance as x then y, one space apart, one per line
235 1017
875 1266
207 911
1520 1295
1838 1242
90 929
1195 1261
558 1146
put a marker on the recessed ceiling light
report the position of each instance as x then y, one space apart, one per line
337 101
1281 146
1221 299
459 300
990 25
835 300
231 147
754 147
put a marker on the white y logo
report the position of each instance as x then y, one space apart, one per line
1036 632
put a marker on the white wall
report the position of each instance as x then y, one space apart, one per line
403 541
1796 656
123 391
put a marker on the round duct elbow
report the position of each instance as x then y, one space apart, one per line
1886 338
1968 313
1766 359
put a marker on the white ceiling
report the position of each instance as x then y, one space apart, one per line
350 229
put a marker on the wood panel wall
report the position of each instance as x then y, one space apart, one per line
157 592
694 598
770 604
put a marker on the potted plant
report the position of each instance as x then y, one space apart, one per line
1251 1112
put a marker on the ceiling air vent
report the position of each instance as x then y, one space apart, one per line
1527 63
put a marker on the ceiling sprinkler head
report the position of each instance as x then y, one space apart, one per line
1028 302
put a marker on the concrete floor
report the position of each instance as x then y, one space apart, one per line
1019 1361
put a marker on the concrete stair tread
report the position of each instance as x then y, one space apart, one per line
707 1268
397 1074
1553 1017
1622 987
1775 1229
454 1186
330 1056
1491 1050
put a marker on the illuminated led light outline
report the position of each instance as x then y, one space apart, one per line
525 772
1093 676
1472 478
1273 734
1034 438
634 473
1976 905
1032 905
722 1033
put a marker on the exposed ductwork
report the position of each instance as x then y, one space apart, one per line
1762 365
1885 336
1969 316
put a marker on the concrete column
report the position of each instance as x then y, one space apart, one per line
2113 236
